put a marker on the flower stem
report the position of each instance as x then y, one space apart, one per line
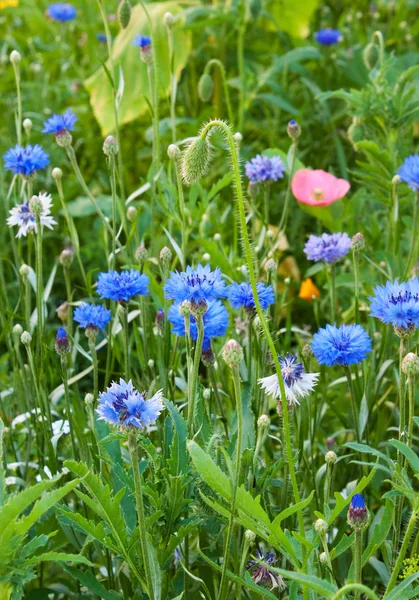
125 327
152 81
220 65
354 405
414 237
68 404
400 558
181 198
357 588
112 169
69 296
240 63
411 390
355 257
92 348
284 217
133 450
332 289
16 69
357 552
39 290
239 409
253 281
193 383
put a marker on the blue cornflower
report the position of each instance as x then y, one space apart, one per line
357 501
90 315
123 405
397 303
101 37
198 285
59 123
25 161
344 345
62 342
122 286
328 37
61 11
240 295
328 247
409 171
265 168
215 322
141 41
261 574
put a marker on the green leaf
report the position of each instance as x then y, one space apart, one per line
59 557
379 532
293 18
89 581
408 453
314 583
342 502
126 58
401 591
178 461
292 510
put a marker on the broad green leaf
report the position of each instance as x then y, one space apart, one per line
178 461
293 18
127 60
89 581
401 592
380 531
411 456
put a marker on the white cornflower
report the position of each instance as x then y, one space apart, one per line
297 382
22 216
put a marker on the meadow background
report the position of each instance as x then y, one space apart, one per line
97 512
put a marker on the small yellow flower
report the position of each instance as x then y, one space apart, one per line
308 290
9 4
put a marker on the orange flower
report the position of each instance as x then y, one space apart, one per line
308 290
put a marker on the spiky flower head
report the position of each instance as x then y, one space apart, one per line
196 160
122 286
240 295
26 338
165 257
410 364
62 342
232 354
298 384
330 457
23 216
344 345
260 572
196 285
121 404
264 168
110 146
294 130
215 319
358 242
25 161
358 515
91 315
321 527
327 247
397 303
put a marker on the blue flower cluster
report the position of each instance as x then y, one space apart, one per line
122 286
327 247
409 172
397 303
123 405
59 123
265 168
240 295
198 285
25 161
142 41
215 322
328 37
344 345
90 315
61 11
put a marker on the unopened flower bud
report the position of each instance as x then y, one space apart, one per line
91 333
358 516
410 364
27 126
24 271
198 309
404 332
205 87
271 266
323 558
62 342
64 138
169 19
185 308
160 320
57 173
293 130
17 330
250 536
287 280
124 13
330 442
330 457
66 257
89 398
15 57
174 152
36 205
26 338
238 138
151 363
217 237
307 352
358 242
132 213
206 257
63 311
232 354
206 394
208 357
396 180
165 257
371 56
196 160
321 527
110 146
141 254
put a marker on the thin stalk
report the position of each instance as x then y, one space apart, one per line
351 587
411 391
220 65
181 199
69 297
328 482
239 408
125 326
193 382
400 557
64 370
39 289
414 237
357 551
253 281
27 302
92 348
133 450
266 198
332 290
284 217
240 64
173 82
354 405
355 258
112 170
16 70
152 81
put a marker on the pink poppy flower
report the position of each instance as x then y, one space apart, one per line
318 188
